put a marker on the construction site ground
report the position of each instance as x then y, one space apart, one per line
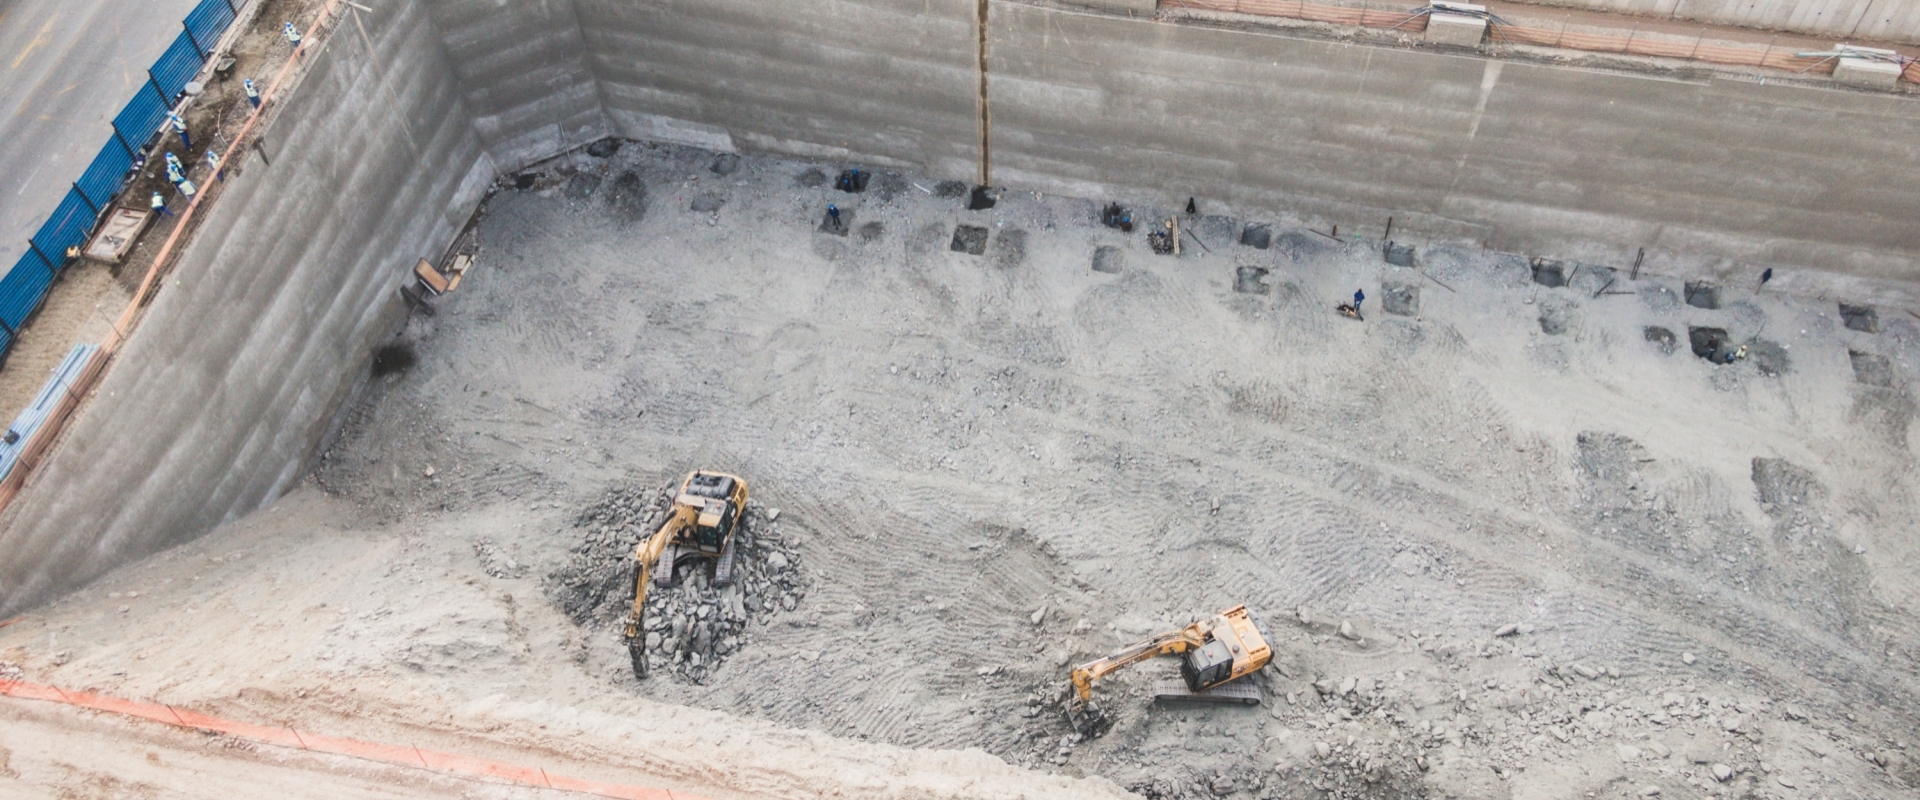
1510 542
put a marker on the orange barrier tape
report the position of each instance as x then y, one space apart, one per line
1770 57
408 756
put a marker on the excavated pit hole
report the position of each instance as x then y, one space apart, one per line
1108 259
1707 343
852 181
1257 236
1549 273
1400 298
1399 255
1860 318
392 359
981 199
1250 280
836 226
969 239
1701 294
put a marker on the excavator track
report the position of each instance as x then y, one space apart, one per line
1242 693
723 569
663 574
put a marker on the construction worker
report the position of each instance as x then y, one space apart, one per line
292 33
180 127
1358 298
213 160
175 171
253 94
160 205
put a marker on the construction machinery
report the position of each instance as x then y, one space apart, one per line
700 523
1214 652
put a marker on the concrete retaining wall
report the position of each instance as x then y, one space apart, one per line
1527 158
1881 20
216 404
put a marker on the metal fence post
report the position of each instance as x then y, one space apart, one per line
194 43
83 198
43 258
123 144
235 9
165 102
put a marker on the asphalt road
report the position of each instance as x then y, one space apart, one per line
66 68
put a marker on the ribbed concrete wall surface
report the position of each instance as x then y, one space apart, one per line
525 70
1882 20
216 404
1528 158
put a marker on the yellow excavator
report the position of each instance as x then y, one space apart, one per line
1214 652
700 523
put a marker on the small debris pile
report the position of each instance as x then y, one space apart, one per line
693 626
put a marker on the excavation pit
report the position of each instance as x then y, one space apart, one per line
1708 343
1250 280
969 239
1550 273
1399 255
1108 259
1662 338
1701 294
1860 318
1871 369
1257 236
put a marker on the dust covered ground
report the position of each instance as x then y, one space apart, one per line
1513 541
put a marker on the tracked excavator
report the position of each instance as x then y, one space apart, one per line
1215 652
700 523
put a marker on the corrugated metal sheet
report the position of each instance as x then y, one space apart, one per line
43 405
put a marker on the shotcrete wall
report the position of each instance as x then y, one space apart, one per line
270 316
1880 20
216 404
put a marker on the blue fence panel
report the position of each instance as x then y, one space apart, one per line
142 116
207 22
103 177
22 289
177 66
67 227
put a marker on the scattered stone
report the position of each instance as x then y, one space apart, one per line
1784 781
706 202
428 471
1323 749
1651 791
1722 773
1038 616
1687 658
1347 632
1347 686
773 514
724 164
1586 672
1627 752
1507 630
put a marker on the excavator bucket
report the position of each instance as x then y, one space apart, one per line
1088 720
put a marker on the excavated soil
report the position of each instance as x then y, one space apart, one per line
1507 547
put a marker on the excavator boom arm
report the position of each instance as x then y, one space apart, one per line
648 554
1165 644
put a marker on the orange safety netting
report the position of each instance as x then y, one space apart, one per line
398 755
1630 44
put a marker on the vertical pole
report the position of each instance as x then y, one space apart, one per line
1763 56
84 199
235 10
1696 43
1563 30
123 143
193 42
165 102
43 257
1630 34
1636 262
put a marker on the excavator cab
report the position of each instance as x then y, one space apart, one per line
1208 666
712 494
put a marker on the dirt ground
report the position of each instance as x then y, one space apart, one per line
1512 541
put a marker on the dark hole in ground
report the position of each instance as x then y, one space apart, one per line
1870 369
1701 294
1399 255
1553 319
707 202
1257 236
811 178
1549 273
1860 318
1400 298
605 148
1108 259
582 185
950 189
724 163
969 239
393 358
1250 280
870 231
837 226
1662 338
525 180
852 181
981 199
1708 343
628 197
1117 216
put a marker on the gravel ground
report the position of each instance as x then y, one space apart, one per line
1512 541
